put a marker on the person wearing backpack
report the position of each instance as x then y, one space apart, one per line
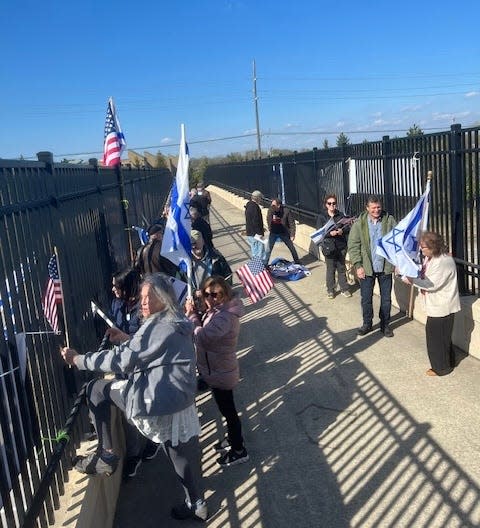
334 247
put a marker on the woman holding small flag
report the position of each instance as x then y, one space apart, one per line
216 336
334 246
157 396
439 288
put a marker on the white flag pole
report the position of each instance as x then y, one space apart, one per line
423 227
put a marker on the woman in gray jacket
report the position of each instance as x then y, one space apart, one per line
439 290
216 337
158 394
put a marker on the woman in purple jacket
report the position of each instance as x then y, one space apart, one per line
216 337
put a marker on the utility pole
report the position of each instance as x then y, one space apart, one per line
255 102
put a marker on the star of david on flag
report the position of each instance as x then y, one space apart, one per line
401 245
176 245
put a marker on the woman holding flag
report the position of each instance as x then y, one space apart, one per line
438 286
336 242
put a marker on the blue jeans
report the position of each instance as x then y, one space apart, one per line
257 248
366 293
285 238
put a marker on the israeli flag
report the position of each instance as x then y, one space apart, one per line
319 235
401 245
142 234
176 245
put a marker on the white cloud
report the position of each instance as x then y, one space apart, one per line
411 108
166 140
472 94
340 124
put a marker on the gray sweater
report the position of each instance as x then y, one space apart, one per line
159 362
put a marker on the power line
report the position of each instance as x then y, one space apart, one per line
253 134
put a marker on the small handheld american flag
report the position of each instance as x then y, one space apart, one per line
53 294
114 139
256 279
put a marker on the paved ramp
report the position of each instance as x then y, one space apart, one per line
342 431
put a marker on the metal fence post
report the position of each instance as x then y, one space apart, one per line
387 173
345 175
457 211
124 208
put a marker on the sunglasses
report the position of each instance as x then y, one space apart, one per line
331 203
213 295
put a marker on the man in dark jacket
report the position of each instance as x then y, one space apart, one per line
199 224
254 226
206 262
282 227
202 200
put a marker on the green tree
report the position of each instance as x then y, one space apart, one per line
199 166
325 144
414 130
160 161
342 140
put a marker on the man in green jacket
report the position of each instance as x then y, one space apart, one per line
365 233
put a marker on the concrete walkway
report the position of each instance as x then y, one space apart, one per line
342 431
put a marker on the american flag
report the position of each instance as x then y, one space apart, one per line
255 279
53 294
114 140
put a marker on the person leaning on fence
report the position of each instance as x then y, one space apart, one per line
254 226
281 225
216 336
439 290
158 396
365 233
334 247
125 313
149 259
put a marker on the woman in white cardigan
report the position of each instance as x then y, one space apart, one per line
439 288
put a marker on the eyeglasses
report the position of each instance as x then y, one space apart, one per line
331 203
213 295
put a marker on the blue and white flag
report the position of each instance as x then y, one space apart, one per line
176 245
318 236
142 234
401 245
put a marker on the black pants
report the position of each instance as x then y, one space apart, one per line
185 458
226 406
438 331
336 263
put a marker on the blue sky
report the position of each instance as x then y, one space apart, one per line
365 68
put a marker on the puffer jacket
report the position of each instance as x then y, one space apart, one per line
359 250
159 364
216 338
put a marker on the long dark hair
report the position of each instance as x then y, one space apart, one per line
128 283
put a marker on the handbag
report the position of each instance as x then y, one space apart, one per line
328 247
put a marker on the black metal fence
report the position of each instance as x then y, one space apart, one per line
393 168
84 211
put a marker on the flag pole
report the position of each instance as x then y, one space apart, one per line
423 227
65 326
